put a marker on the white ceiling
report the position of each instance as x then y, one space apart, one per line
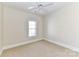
42 11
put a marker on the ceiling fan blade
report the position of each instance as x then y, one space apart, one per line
48 5
33 7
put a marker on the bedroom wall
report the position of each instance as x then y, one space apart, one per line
0 28
63 26
15 26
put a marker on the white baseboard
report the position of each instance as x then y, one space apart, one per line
63 45
19 44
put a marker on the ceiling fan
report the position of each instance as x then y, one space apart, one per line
39 6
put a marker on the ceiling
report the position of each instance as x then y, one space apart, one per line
40 11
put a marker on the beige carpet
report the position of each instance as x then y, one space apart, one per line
39 49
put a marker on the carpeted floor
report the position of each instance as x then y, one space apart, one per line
39 49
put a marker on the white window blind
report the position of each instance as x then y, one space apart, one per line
32 28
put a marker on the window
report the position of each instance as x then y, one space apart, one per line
32 28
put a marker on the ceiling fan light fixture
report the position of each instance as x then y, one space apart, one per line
40 5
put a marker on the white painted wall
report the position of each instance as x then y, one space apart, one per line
0 28
15 26
63 26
